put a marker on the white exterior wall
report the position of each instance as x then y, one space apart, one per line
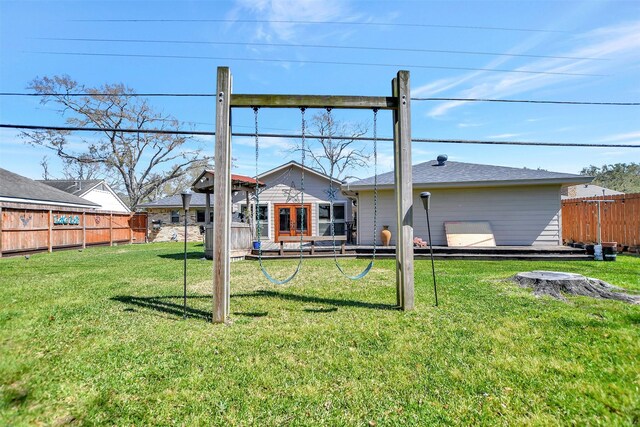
519 215
106 200
279 186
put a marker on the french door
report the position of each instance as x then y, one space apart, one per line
292 220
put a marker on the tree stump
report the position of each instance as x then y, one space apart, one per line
555 284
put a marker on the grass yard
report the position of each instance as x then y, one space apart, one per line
97 337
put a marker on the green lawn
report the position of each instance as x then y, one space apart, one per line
97 337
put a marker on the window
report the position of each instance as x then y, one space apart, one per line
263 218
175 217
324 219
200 215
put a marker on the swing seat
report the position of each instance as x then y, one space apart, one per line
312 240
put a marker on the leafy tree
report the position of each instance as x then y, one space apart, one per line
141 162
623 177
336 156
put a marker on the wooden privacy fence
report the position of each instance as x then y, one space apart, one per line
36 229
619 219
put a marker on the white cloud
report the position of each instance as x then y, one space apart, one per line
282 15
264 143
469 125
626 137
621 42
504 136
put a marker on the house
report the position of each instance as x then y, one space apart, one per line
587 190
166 218
93 190
521 206
279 213
17 191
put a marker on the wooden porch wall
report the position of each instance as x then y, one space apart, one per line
619 220
30 229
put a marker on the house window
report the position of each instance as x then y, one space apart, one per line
263 218
175 217
200 215
324 219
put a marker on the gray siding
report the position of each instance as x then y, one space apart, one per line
279 186
519 215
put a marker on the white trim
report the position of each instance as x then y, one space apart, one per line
469 184
47 202
108 187
317 216
299 166
269 216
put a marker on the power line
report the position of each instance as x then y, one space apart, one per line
210 95
378 24
321 46
153 94
282 135
528 101
299 61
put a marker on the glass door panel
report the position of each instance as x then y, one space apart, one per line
302 220
284 215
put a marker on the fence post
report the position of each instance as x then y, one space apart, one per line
1 225
111 229
50 235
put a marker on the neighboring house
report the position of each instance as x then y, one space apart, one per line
587 190
280 213
522 205
166 218
19 191
93 190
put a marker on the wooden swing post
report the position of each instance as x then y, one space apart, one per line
222 199
399 103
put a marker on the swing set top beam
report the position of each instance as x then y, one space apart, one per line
314 101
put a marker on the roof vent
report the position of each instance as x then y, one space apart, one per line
441 159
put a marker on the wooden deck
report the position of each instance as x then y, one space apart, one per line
538 253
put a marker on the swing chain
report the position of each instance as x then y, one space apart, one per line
375 179
259 230
257 205
331 200
303 155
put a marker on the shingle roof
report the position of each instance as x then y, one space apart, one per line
457 173
76 187
587 190
16 186
197 201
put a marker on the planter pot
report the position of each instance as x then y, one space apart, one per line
609 253
385 235
256 246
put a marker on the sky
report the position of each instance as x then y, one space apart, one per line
531 50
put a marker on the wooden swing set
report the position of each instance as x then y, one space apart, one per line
398 102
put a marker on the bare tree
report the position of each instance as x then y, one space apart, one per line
73 169
336 157
45 167
142 162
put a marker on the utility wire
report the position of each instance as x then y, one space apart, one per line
210 95
299 61
282 135
378 24
528 101
321 46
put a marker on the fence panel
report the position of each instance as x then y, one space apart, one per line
38 228
619 219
